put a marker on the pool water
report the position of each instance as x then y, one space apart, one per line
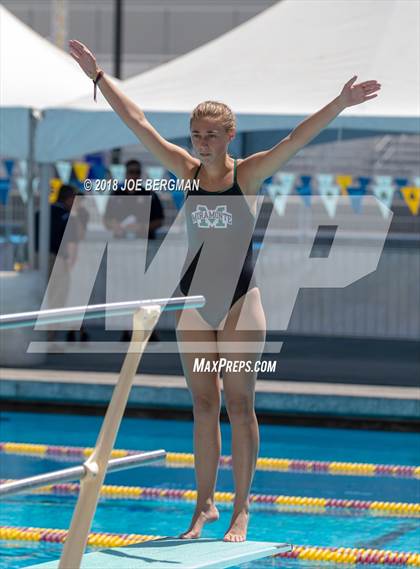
160 517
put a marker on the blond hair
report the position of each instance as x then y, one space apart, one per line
217 111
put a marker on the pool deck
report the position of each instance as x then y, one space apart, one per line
170 392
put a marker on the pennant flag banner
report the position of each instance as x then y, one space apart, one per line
267 182
286 180
329 192
97 172
178 198
344 181
411 196
35 183
117 171
94 158
305 189
280 190
55 185
4 190
401 183
8 164
177 195
101 200
384 189
21 184
64 170
356 196
23 167
81 170
363 181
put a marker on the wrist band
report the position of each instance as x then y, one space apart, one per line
95 83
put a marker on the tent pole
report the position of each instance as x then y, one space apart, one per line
30 209
44 223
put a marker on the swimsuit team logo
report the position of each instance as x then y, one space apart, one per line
218 218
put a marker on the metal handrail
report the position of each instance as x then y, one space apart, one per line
56 315
77 472
93 471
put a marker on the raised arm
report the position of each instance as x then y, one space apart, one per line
171 156
258 167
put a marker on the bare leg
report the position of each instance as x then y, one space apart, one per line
205 391
239 392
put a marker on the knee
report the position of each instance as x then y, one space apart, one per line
240 408
206 405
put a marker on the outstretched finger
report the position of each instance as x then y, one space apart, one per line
77 43
371 88
74 56
75 49
370 97
78 47
351 81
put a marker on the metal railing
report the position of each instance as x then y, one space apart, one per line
93 470
77 472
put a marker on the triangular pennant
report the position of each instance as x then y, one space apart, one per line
285 179
411 197
97 172
81 170
4 190
55 185
364 181
279 192
356 196
23 167
344 181
383 190
401 183
94 158
64 170
329 192
305 189
35 183
278 195
101 200
8 164
383 180
117 171
178 198
22 187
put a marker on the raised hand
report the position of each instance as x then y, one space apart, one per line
84 58
355 94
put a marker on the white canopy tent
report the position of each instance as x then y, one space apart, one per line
274 70
35 75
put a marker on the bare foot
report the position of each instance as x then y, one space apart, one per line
238 526
201 516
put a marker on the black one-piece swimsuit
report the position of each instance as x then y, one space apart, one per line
220 226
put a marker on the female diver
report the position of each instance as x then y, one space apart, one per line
212 127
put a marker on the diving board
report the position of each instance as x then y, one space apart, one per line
176 553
